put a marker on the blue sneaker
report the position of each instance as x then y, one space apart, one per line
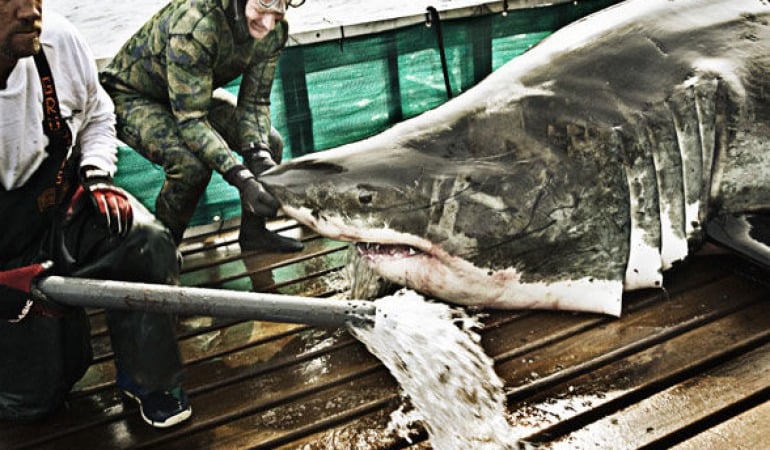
161 409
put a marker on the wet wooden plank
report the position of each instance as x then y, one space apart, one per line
544 327
202 242
318 410
227 337
577 401
741 432
633 332
667 412
262 272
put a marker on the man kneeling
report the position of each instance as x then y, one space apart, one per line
58 203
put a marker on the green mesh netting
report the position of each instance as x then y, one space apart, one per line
336 92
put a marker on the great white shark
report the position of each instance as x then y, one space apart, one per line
585 167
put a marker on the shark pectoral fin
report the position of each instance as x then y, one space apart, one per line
746 234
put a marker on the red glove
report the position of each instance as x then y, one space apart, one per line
21 278
111 201
15 308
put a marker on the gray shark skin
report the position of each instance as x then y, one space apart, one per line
585 167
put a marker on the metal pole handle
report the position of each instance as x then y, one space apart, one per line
204 301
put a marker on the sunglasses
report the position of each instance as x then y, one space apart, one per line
267 4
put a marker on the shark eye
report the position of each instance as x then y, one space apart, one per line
365 198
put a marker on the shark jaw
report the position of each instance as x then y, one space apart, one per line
419 264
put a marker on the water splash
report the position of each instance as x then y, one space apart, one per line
434 352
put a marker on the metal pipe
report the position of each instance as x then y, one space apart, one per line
325 312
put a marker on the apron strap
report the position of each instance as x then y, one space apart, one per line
57 130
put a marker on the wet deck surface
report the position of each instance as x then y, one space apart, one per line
687 368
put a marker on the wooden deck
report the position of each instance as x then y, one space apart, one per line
688 367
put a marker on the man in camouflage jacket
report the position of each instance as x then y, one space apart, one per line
163 83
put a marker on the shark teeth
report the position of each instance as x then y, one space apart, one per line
391 250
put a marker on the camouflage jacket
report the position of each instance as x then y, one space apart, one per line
184 52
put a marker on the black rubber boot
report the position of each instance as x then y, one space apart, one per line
254 236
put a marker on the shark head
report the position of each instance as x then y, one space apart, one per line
437 205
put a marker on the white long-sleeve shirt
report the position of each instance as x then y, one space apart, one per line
84 105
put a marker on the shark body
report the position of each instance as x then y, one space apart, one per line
583 168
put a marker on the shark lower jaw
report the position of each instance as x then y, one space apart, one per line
459 281
419 264
420 270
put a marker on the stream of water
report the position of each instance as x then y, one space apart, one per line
434 352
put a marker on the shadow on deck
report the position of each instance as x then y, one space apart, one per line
685 368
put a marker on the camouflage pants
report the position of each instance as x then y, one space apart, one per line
150 128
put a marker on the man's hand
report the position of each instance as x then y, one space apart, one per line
16 307
111 201
254 197
21 278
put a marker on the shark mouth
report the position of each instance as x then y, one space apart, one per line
373 250
378 243
419 264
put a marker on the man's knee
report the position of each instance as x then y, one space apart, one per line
151 251
147 253
185 171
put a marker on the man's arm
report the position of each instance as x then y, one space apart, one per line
253 110
95 139
190 85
